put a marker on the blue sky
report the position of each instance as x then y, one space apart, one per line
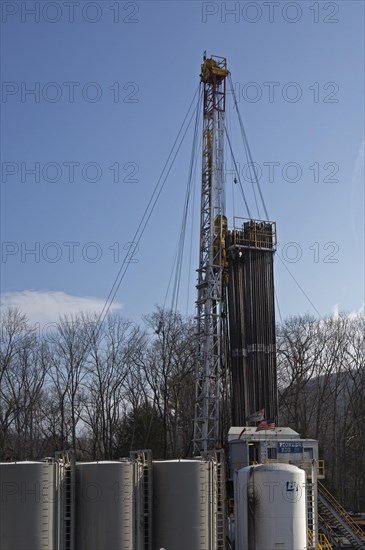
113 81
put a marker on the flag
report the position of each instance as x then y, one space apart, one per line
266 425
257 416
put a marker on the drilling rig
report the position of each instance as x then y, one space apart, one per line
235 284
211 287
235 320
236 373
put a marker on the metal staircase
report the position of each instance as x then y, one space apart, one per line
336 522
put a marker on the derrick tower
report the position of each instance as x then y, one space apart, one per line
211 286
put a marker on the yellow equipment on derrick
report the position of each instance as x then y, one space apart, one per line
211 70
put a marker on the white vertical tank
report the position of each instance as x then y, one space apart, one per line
185 504
270 508
28 505
105 497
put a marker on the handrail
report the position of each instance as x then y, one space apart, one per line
305 464
323 521
341 511
324 543
310 537
254 233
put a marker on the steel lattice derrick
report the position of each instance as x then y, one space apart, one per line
211 301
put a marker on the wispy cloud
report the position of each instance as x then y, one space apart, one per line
335 309
45 307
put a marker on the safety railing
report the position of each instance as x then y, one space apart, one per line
254 233
323 542
322 521
341 511
310 538
305 464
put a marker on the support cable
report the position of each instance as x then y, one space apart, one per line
148 210
247 149
278 306
178 261
186 208
192 226
251 163
234 180
300 288
238 173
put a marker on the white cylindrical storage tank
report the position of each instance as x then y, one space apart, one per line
105 497
28 505
185 504
270 508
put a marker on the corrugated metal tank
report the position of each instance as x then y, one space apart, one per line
185 504
28 506
270 508
105 511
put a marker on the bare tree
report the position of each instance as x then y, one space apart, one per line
322 394
354 429
168 371
299 348
22 376
69 347
110 360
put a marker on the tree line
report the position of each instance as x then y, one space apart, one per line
104 391
321 377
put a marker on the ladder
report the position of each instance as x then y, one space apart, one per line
221 500
144 504
218 500
312 511
66 499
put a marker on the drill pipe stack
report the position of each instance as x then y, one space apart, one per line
251 312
